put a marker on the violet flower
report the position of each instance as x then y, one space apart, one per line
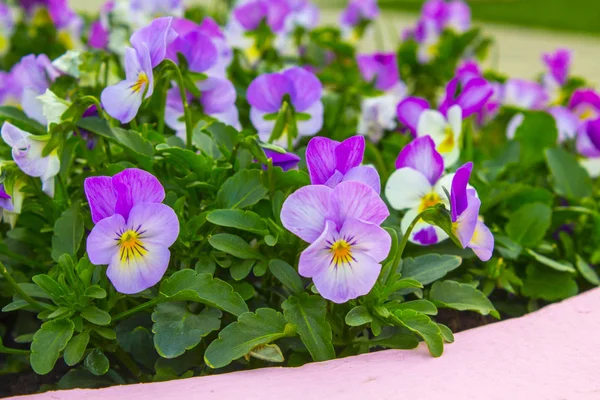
224 52
133 229
359 11
266 94
347 244
27 153
588 146
585 103
558 65
197 47
330 163
466 223
378 112
11 199
286 161
303 13
69 25
417 184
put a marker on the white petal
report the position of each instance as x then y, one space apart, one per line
406 187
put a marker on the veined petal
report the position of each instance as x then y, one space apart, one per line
266 92
101 197
365 174
305 211
155 222
357 200
349 153
307 88
365 237
321 159
421 155
156 37
406 188
458 194
409 111
482 242
134 186
466 222
475 94
122 102
103 241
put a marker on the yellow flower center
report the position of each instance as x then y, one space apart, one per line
141 81
429 200
341 252
588 113
252 53
448 143
131 247
64 38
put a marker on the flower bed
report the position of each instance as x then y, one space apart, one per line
194 191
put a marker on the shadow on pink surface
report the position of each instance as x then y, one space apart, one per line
550 354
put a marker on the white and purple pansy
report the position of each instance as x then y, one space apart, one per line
347 244
557 65
588 146
133 230
267 92
585 103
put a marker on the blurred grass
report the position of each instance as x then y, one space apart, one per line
581 16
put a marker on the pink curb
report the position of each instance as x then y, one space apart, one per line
550 354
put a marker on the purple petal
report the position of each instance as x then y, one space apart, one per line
307 88
102 243
558 64
121 102
566 122
421 155
367 238
458 194
218 95
409 111
155 222
466 222
357 200
210 27
321 159
365 174
251 14
467 71
285 161
349 153
98 36
584 144
458 16
267 91
134 186
335 179
305 211
524 94
277 14
426 236
475 94
101 197
593 132
482 242
585 103
380 66
156 37
197 48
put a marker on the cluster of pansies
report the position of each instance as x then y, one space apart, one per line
182 188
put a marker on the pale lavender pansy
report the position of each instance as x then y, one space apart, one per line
464 210
347 244
27 153
524 94
428 37
303 13
417 184
267 92
473 93
458 16
224 52
133 230
196 47
286 161
382 68
567 122
585 103
330 162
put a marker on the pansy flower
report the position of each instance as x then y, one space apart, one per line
585 103
356 16
330 163
133 230
588 146
303 13
11 198
27 153
557 74
347 244
195 46
417 184
224 52
464 210
286 161
69 25
123 100
378 112
267 92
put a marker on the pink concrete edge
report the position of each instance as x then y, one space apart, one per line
550 354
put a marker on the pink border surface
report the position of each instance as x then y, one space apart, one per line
550 354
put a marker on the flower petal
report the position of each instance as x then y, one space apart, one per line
357 200
101 197
305 211
313 125
103 240
134 186
121 102
475 94
307 88
466 222
365 174
432 123
421 155
409 110
156 223
266 92
482 242
368 238
156 37
406 188
458 194
321 159
566 122
350 153
218 95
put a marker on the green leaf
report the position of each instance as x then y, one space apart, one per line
68 232
268 352
129 139
563 266
48 342
439 216
234 245
461 296
548 284
95 292
286 275
537 133
76 347
250 331
423 326
420 306
570 179
240 269
186 285
358 316
586 271
96 316
529 224
18 118
242 190
176 329
446 333
399 341
49 285
97 363
238 219
429 268
308 314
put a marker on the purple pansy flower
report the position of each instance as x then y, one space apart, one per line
585 103
466 223
224 52
558 64
347 244
303 13
378 112
123 100
99 33
27 153
417 184
330 163
197 48
567 122
358 11
5 200
524 94
285 161
68 24
133 231
588 145
266 93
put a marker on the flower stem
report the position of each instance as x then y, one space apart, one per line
137 308
169 64
21 292
406 236
6 350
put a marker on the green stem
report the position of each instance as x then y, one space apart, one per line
6 350
406 236
163 106
137 308
169 64
34 303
